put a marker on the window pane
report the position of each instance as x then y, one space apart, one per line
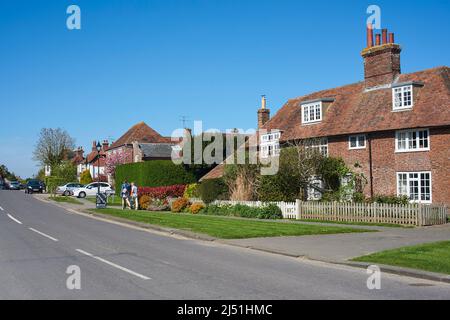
402 184
361 141
353 142
425 188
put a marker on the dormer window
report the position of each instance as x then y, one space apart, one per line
312 112
402 97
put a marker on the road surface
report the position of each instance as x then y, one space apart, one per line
39 242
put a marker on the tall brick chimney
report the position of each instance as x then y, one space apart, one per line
263 113
382 60
105 145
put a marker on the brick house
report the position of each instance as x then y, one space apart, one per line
95 161
393 128
142 143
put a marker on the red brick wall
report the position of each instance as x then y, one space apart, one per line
381 65
386 163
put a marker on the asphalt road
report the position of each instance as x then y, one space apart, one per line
39 241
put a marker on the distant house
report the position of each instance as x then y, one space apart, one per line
142 143
95 161
76 157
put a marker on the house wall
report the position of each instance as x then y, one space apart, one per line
386 162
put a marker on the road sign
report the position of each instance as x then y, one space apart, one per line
101 200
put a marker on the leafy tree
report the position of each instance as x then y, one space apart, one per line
6 174
53 146
66 171
85 177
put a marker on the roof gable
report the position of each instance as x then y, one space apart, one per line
141 133
357 110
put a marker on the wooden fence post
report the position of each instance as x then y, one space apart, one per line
298 209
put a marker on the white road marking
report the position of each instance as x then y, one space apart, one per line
43 234
113 265
14 219
1 209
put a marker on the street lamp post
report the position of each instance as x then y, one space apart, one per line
99 147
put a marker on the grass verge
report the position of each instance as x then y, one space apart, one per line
434 257
116 202
225 228
65 199
358 223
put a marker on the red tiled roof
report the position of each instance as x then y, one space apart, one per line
77 159
355 110
142 133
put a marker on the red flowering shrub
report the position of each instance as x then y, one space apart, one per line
175 191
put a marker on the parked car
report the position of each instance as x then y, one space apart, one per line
14 185
67 189
34 186
91 189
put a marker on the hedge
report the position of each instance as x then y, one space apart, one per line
213 189
155 173
52 183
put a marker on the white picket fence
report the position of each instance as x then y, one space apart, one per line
410 214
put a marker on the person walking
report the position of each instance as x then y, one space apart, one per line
134 195
125 194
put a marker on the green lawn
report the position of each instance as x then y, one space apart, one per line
116 202
223 227
433 257
65 199
358 223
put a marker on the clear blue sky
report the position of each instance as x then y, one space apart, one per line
153 61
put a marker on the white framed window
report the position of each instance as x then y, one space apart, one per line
270 144
415 185
412 140
319 144
312 112
357 142
402 97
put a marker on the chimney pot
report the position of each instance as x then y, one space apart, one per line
391 37
377 40
263 102
369 36
384 32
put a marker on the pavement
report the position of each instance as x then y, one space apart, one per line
40 242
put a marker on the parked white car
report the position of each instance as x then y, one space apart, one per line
92 189
67 189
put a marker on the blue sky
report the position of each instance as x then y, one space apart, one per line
210 60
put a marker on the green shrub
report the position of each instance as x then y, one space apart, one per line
85 177
213 189
156 173
191 191
52 183
270 211
390 199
